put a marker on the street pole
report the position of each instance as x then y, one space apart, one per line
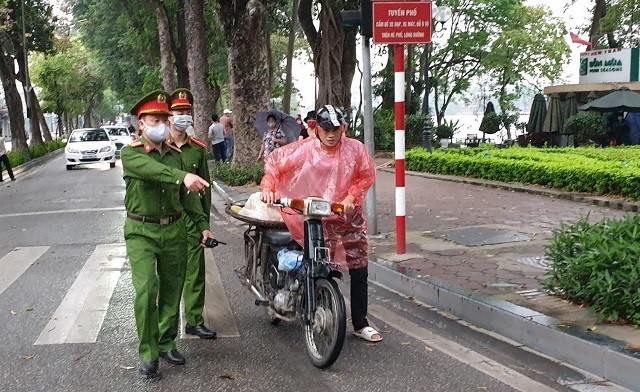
401 242
370 203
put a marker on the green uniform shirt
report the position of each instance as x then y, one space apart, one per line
194 157
153 183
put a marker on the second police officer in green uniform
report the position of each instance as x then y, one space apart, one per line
154 230
194 157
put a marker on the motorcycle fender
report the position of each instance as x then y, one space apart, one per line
335 274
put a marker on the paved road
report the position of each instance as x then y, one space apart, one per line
67 321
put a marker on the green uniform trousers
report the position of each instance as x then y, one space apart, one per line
194 279
158 257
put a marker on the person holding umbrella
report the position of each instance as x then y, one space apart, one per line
273 138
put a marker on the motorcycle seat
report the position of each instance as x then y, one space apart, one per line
278 237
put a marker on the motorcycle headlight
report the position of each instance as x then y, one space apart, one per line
319 207
105 149
72 151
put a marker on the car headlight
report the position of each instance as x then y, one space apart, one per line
319 207
72 151
105 149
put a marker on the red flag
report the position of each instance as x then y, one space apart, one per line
577 40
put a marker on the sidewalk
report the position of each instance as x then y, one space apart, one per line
475 249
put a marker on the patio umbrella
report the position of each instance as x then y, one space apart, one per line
554 121
570 106
489 123
537 114
621 100
284 121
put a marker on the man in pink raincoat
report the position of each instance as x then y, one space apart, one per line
338 169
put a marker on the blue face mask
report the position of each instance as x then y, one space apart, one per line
156 133
182 121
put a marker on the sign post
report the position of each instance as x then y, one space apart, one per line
400 23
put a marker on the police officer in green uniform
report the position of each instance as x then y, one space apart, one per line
194 157
156 202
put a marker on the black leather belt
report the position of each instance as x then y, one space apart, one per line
154 219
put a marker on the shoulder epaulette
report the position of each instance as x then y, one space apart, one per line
199 142
136 143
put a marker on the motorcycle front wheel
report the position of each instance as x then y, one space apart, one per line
324 335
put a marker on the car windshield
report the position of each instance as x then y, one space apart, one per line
118 132
89 135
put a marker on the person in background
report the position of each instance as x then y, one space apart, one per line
273 138
338 169
216 133
154 231
311 123
194 157
227 121
4 159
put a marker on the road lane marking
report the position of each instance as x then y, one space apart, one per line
457 351
79 317
16 262
33 213
217 310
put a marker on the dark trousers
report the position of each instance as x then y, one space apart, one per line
359 297
5 159
219 152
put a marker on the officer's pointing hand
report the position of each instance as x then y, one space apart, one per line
194 183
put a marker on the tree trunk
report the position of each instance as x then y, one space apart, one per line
408 79
14 105
334 54
34 121
243 24
166 58
203 106
286 98
181 56
46 133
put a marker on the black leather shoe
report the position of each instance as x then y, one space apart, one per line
149 370
173 357
201 331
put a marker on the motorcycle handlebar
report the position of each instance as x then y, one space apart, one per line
298 205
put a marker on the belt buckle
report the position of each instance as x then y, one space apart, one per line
165 221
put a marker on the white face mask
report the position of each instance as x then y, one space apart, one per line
182 121
156 133
271 124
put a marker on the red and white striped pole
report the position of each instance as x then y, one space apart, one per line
401 242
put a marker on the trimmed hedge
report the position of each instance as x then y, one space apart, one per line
237 176
610 171
597 264
17 158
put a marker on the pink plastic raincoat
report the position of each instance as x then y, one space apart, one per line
303 169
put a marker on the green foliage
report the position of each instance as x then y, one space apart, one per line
237 176
34 151
384 130
585 126
490 123
444 131
597 264
602 171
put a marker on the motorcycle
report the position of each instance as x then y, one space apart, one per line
303 288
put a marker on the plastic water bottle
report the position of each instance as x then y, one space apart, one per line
289 260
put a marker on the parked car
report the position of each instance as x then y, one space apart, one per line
120 135
90 145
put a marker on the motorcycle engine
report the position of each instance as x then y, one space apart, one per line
284 300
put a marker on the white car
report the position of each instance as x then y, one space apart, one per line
89 145
120 135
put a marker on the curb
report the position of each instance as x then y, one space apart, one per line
35 162
519 324
601 201
524 326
